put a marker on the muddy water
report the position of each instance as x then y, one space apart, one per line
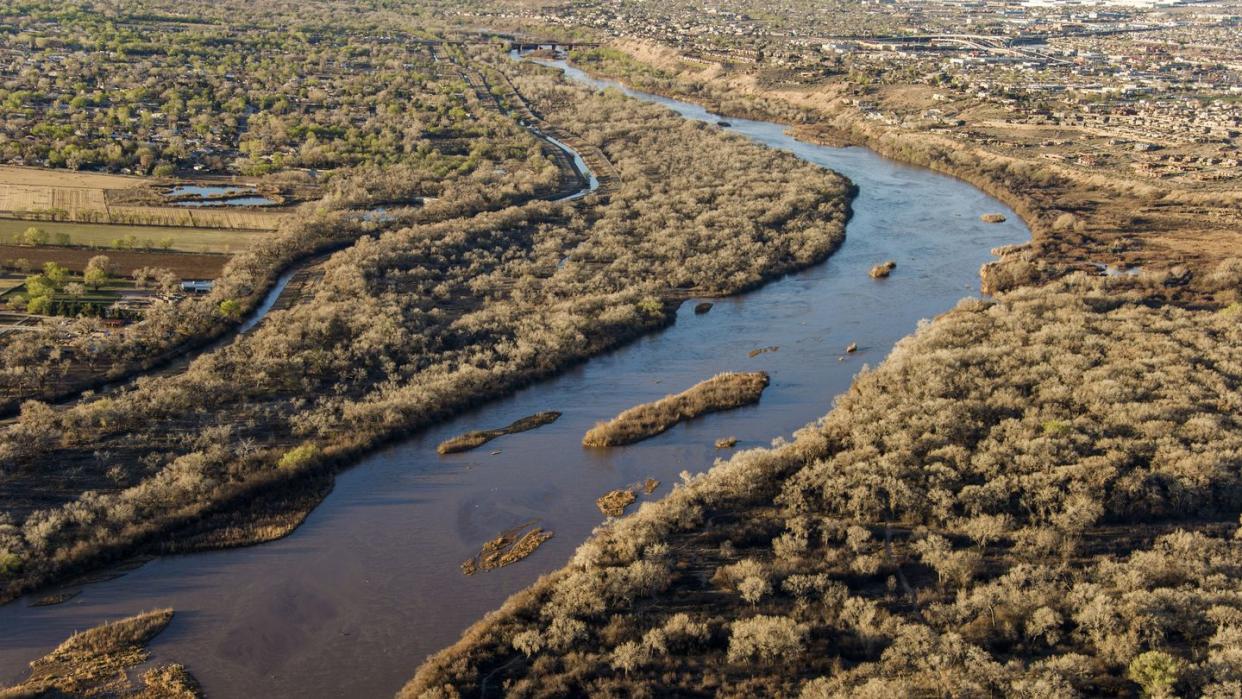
352 601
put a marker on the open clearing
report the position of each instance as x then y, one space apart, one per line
102 235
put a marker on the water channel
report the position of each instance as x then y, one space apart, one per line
359 595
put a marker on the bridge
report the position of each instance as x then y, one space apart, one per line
529 43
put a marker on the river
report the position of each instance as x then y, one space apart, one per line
354 599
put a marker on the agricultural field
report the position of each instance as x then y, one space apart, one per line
116 236
34 194
184 264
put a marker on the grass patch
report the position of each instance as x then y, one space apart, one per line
508 548
613 503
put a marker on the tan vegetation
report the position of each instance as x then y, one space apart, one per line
96 663
882 270
614 502
34 194
1078 217
1037 496
721 392
508 548
726 442
992 218
419 318
472 440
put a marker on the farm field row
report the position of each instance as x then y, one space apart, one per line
103 235
184 264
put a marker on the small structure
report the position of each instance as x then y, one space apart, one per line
197 286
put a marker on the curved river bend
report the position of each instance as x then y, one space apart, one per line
369 585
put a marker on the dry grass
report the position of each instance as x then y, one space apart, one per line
508 548
202 217
882 270
613 503
94 663
477 438
34 176
993 218
721 392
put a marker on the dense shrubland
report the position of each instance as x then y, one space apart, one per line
410 325
60 355
489 163
1034 497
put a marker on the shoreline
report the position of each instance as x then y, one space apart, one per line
1055 249
195 523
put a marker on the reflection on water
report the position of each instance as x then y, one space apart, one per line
352 601
217 195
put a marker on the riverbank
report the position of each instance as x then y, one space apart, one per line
956 516
323 597
963 515
487 305
1080 220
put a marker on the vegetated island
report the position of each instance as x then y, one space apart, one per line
721 392
98 662
508 548
614 502
883 269
477 438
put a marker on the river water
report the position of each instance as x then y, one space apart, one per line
353 600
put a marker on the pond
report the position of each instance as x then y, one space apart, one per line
217 195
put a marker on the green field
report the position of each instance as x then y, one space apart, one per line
102 235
